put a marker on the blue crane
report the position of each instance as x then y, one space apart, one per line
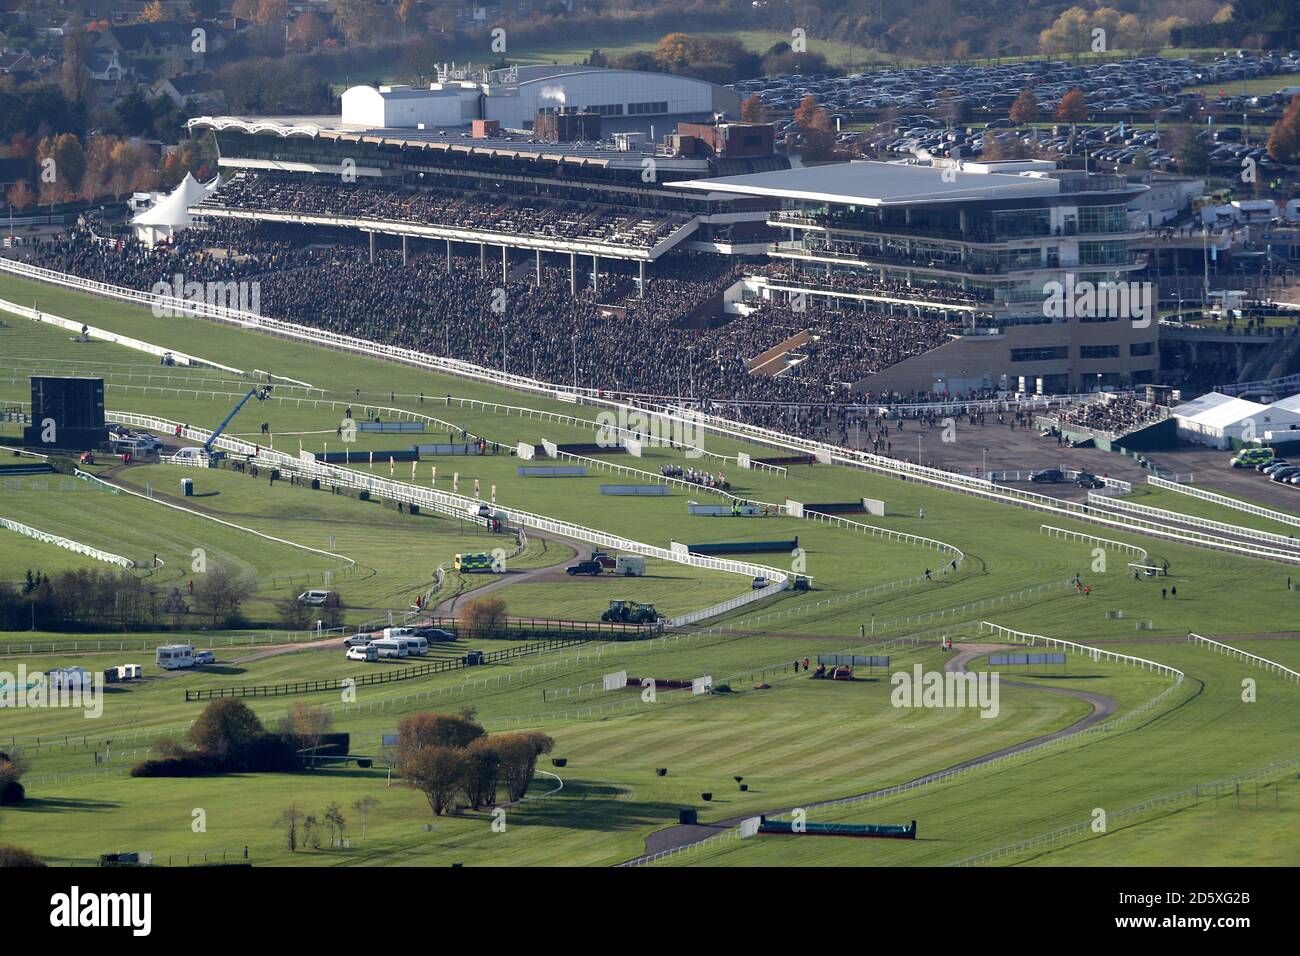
207 445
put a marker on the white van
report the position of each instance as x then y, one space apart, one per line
172 657
386 647
416 646
194 452
391 633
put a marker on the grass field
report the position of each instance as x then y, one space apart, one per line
795 742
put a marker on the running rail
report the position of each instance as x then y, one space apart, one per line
824 452
1271 666
460 505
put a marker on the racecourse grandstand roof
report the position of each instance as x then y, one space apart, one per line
879 184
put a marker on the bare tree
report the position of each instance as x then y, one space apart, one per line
363 806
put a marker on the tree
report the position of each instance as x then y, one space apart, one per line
428 729
20 195
1284 138
308 31
482 773
75 82
225 731
1025 109
153 12
818 142
519 753
752 109
306 724
334 820
69 159
597 58
290 819
1073 108
1193 157
483 617
360 21
363 806
217 593
439 773
1071 33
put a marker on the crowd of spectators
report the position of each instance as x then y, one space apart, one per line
611 339
1112 414
457 209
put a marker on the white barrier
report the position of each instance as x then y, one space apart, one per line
1068 535
1093 653
725 427
1271 666
66 543
137 345
459 505
1244 506
1194 520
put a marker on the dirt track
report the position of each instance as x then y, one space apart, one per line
676 837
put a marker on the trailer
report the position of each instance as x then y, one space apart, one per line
630 565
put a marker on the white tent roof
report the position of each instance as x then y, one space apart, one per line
1210 400
1291 404
173 210
1224 414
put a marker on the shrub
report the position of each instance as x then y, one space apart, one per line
11 793
188 765
483 617
17 856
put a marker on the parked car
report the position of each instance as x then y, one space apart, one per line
434 634
204 657
1047 475
585 567
1085 480
359 640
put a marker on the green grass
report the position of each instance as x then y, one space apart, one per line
1205 735
798 742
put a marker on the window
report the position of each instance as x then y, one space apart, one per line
1050 354
608 109
644 109
1141 348
1098 351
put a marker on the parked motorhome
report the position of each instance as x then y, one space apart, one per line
172 657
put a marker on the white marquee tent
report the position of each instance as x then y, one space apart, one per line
171 214
1216 419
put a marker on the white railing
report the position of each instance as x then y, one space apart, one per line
349 562
1068 535
456 504
1244 506
1194 520
125 341
1272 667
1096 654
734 430
66 543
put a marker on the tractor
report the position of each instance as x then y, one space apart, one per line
629 612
